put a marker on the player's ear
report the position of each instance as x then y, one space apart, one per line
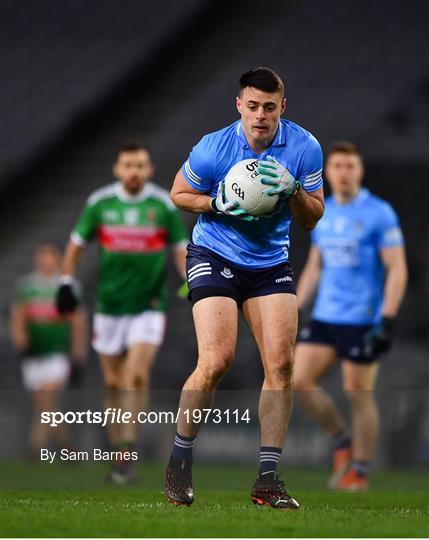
283 105
115 169
238 104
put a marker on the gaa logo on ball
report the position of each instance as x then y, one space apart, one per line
243 184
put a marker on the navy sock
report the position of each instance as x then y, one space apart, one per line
341 440
183 447
361 466
270 456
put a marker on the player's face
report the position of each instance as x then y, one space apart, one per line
344 173
260 113
133 169
47 260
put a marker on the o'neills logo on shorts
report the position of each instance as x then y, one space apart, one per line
127 239
282 279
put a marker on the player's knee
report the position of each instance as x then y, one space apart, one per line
280 372
215 369
302 382
135 381
112 383
358 392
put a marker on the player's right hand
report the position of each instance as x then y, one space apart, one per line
378 339
275 175
221 205
66 300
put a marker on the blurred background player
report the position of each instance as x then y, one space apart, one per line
357 262
50 345
134 221
237 262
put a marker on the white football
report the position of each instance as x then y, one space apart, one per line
243 184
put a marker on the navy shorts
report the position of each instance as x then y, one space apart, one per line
210 275
346 339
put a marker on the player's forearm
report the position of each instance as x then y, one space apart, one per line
394 289
71 259
79 338
18 329
306 210
191 202
180 261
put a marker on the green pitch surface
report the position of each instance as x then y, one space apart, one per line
57 500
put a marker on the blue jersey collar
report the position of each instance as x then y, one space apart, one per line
360 198
279 139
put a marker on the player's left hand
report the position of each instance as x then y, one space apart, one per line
221 205
183 290
378 339
274 174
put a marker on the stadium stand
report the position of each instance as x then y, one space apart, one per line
58 63
341 82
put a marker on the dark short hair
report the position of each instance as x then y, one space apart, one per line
131 147
262 78
343 147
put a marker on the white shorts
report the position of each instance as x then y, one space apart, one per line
114 335
49 369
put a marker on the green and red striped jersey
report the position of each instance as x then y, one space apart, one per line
134 233
48 332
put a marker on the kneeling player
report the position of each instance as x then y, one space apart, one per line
357 260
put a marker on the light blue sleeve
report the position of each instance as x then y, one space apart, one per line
388 232
310 174
199 168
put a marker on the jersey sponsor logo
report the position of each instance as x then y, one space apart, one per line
121 238
131 216
237 189
283 279
41 311
340 252
226 273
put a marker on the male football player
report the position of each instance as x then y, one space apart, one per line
237 262
134 221
357 261
50 345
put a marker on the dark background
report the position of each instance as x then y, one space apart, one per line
79 78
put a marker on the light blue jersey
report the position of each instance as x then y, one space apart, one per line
350 237
255 244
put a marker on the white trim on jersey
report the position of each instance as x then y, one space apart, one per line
313 179
191 173
77 239
102 193
152 190
180 245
